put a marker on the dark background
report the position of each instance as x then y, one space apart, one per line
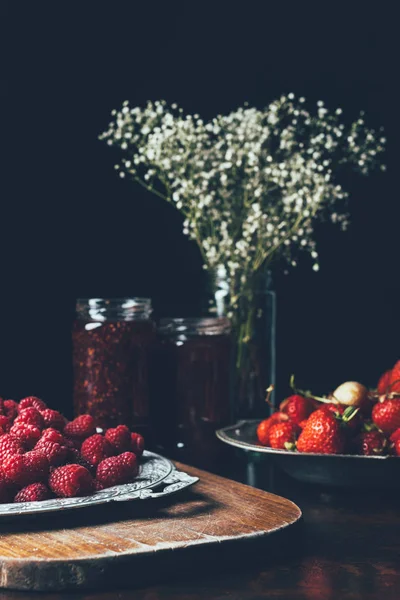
70 227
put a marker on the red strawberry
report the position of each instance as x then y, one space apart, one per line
297 408
55 452
52 435
96 448
9 446
384 382
32 416
265 426
53 419
23 469
322 434
10 409
397 447
117 470
137 444
342 414
35 492
32 401
394 383
5 424
370 443
386 415
80 428
26 433
282 436
395 436
120 438
70 481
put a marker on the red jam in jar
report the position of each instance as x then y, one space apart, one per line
112 345
191 391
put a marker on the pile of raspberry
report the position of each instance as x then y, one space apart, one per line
44 456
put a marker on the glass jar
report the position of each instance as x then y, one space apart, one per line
112 343
191 387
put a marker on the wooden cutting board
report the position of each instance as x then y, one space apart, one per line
113 545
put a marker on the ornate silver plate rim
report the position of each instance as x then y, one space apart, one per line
158 477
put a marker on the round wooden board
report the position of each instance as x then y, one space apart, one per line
106 545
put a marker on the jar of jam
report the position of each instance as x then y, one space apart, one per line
191 387
112 343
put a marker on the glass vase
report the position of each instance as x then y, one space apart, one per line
253 321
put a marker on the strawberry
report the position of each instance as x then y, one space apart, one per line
10 409
386 414
80 428
23 469
120 438
265 426
302 424
35 492
53 419
397 447
117 470
394 383
71 481
5 424
30 415
9 446
96 448
137 444
55 452
322 434
32 401
26 433
297 408
282 436
344 414
395 436
370 443
384 382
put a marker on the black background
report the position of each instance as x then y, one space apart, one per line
70 227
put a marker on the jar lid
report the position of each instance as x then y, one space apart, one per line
194 326
114 309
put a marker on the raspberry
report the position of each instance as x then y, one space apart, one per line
26 433
32 416
9 446
82 427
5 424
52 435
6 489
56 454
32 401
74 458
70 481
137 444
97 486
35 492
53 419
10 409
120 438
96 448
117 469
23 469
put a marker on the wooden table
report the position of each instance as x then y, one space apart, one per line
347 547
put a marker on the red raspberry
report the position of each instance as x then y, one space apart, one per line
70 481
5 424
26 433
9 446
32 416
32 401
23 469
96 448
35 492
80 428
10 409
52 435
97 486
74 458
120 438
137 444
117 469
53 419
56 454
6 489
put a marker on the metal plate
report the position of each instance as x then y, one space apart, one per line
155 472
328 469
